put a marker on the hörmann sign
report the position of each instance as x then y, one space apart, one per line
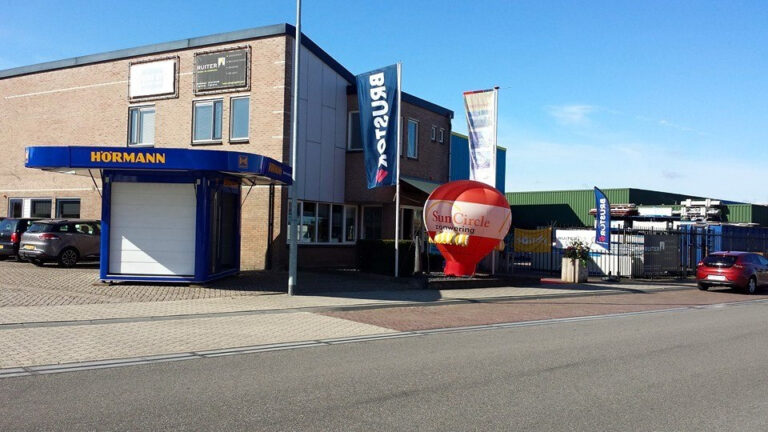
127 157
221 70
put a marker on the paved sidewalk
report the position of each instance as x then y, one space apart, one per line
48 334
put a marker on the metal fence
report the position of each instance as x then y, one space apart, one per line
645 253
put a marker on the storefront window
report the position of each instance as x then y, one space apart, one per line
308 227
323 222
350 223
337 223
372 223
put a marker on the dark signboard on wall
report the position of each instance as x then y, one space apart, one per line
221 70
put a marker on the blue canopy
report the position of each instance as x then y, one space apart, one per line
251 168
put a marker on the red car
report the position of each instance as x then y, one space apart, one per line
745 270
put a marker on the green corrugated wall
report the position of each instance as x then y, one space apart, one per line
571 208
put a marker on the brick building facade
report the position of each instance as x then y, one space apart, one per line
87 101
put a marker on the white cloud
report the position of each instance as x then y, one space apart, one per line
571 115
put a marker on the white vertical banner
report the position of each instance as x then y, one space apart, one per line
481 108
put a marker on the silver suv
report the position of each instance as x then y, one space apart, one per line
61 240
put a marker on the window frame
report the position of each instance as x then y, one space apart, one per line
441 136
349 132
57 210
232 119
433 134
362 220
316 236
212 102
139 128
32 202
408 140
10 207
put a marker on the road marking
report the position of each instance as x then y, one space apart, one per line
164 358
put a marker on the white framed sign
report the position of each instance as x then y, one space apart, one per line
154 78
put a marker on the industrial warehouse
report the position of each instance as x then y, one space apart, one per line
227 92
654 233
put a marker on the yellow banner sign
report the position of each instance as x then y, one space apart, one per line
539 240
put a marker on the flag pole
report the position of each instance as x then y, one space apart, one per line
397 170
293 252
496 144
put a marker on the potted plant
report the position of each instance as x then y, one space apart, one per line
574 265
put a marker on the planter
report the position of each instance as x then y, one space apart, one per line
573 271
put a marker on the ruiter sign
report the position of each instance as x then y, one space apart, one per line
221 70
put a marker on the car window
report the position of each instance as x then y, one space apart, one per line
762 259
41 227
719 260
8 225
63 228
84 228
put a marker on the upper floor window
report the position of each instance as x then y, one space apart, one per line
441 136
141 126
413 139
239 117
206 121
433 135
354 137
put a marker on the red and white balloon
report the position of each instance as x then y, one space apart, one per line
467 220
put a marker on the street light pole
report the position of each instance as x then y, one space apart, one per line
292 216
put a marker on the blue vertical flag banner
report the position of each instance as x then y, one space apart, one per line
481 107
603 217
377 98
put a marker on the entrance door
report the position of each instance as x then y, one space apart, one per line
152 229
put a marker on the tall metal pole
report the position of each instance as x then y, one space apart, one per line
293 252
397 170
495 164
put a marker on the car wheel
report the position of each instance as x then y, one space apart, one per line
751 285
68 258
37 262
703 286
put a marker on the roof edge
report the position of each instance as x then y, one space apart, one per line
194 42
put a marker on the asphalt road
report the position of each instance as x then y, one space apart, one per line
691 370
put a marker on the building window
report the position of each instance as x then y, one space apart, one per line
372 223
412 222
337 223
40 208
413 139
441 136
354 137
206 121
433 135
68 208
15 207
350 223
239 119
325 223
308 225
141 127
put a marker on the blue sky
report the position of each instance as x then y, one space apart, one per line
665 95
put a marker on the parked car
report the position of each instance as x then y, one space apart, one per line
745 270
11 230
63 241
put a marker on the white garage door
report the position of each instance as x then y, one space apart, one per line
152 229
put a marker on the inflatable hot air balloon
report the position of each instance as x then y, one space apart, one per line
466 220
